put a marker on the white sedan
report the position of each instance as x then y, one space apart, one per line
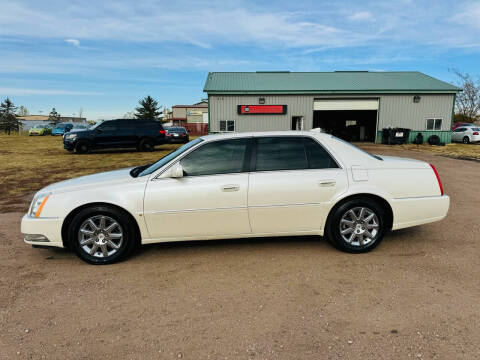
239 185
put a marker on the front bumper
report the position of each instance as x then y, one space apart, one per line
417 211
42 231
68 144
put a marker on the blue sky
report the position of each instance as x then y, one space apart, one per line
104 55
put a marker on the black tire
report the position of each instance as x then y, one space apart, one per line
434 140
466 140
127 228
334 225
83 147
146 145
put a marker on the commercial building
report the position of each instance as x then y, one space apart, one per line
193 117
29 121
354 105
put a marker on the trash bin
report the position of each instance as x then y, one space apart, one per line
395 136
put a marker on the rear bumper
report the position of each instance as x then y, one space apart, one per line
417 211
42 231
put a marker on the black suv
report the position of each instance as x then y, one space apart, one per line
119 133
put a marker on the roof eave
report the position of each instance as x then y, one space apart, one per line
327 92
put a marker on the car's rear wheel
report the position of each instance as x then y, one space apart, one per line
466 140
82 147
102 235
357 225
146 145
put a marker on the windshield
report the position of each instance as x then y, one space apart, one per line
61 126
93 127
39 126
169 157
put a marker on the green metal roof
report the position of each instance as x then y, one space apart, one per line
285 82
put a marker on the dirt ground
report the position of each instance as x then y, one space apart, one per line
415 297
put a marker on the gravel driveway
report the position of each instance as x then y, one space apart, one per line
417 296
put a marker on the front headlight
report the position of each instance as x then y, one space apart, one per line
70 136
38 203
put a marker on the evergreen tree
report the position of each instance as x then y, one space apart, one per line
54 117
148 109
8 119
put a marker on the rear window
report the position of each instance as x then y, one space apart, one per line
476 129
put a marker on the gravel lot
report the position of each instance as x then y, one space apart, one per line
415 297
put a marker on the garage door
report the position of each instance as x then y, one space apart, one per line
358 104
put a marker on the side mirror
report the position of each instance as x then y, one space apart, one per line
176 171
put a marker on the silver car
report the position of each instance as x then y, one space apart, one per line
466 134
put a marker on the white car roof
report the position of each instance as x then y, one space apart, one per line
265 133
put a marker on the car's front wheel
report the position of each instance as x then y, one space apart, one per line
357 225
82 147
102 235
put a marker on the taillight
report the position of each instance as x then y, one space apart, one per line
162 132
438 178
475 133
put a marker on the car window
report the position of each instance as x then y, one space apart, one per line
108 126
218 157
280 153
460 129
317 156
475 129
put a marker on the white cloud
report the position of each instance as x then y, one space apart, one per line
361 15
73 42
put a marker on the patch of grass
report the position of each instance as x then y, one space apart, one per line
28 163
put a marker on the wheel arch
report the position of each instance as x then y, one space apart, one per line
380 200
68 219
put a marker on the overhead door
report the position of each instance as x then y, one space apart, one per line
354 104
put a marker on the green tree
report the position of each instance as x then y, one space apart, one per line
54 117
8 118
148 109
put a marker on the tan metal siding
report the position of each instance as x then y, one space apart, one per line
401 111
225 108
395 110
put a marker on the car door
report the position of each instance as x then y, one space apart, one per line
127 131
293 179
455 133
209 200
106 134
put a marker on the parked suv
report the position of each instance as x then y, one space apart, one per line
119 133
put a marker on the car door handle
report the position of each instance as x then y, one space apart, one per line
230 187
326 183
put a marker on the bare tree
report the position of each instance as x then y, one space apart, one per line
129 115
467 104
23 111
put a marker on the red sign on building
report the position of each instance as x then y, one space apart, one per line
262 109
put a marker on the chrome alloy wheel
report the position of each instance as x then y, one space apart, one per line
100 236
359 226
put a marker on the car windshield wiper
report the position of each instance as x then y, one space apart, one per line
137 170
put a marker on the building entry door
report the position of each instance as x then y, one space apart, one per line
297 122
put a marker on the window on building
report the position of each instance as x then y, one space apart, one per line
218 157
227 125
434 124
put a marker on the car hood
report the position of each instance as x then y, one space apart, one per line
89 181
